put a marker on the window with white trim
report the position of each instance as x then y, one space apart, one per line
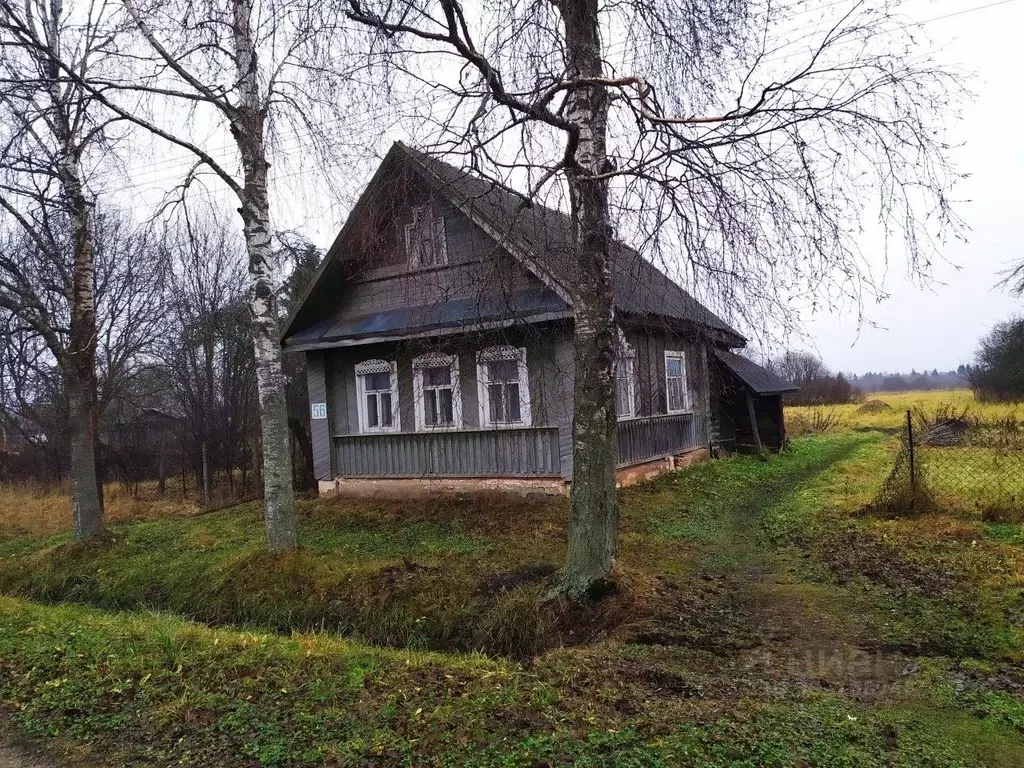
436 388
504 387
377 393
425 241
677 395
625 381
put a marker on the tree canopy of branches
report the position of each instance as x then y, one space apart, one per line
129 279
701 133
998 373
207 352
818 385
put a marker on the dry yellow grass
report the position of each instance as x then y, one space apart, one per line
856 415
37 510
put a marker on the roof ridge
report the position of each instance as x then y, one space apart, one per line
433 165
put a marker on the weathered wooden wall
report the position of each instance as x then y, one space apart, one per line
527 452
649 434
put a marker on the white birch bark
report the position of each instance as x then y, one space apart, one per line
594 514
248 127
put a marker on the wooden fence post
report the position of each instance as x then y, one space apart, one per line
910 460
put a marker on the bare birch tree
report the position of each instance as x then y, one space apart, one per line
51 129
237 68
129 296
726 133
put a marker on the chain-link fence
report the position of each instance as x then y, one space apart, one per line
957 465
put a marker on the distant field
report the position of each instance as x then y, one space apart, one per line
873 413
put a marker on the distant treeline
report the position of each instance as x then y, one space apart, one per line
821 386
903 382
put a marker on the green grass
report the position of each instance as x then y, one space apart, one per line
158 690
443 574
762 619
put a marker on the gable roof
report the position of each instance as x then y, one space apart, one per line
540 238
759 380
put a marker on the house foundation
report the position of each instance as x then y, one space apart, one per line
650 470
413 487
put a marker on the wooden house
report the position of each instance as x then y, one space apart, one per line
439 339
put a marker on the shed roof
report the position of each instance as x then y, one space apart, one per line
758 379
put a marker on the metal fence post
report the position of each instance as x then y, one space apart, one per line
910 460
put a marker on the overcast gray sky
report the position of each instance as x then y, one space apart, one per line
938 326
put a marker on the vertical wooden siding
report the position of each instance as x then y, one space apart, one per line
468 453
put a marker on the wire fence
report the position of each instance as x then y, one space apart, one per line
958 465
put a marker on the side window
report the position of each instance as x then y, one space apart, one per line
436 387
504 386
377 391
625 380
425 242
677 395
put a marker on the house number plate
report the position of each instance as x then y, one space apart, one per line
318 411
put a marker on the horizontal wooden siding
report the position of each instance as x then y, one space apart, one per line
467 453
645 439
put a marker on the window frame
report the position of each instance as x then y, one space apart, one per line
672 354
438 234
496 354
361 371
627 356
436 360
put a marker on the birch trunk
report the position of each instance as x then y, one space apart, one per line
594 515
248 126
80 363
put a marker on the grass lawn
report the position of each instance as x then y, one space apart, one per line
762 619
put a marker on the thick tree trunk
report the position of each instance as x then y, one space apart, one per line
248 130
594 515
80 362
86 504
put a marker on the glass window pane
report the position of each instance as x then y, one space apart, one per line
512 402
503 370
372 417
674 366
446 411
435 377
385 409
376 382
430 407
624 406
495 397
676 401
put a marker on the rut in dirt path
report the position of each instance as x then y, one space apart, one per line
13 756
771 632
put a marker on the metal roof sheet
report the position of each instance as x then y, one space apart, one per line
759 379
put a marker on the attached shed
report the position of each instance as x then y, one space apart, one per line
749 408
